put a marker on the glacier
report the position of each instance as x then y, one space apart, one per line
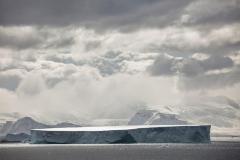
154 117
123 134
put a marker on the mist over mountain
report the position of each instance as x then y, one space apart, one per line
24 125
218 111
153 117
19 131
221 112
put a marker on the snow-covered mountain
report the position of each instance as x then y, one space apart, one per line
23 125
218 111
6 127
154 117
14 131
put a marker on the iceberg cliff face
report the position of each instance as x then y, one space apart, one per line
123 134
10 138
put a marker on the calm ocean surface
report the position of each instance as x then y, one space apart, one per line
213 151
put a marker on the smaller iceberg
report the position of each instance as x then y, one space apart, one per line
123 134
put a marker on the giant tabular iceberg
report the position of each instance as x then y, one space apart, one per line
123 134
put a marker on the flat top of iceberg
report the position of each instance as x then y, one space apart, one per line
111 128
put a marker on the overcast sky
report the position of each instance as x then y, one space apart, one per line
90 59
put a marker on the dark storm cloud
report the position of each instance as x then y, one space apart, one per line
189 67
10 79
210 81
230 16
62 42
18 41
216 62
218 41
21 38
91 45
194 74
164 65
215 12
192 67
214 49
94 13
123 15
185 27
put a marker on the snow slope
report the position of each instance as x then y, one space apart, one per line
221 112
154 117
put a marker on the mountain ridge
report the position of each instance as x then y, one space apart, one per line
154 117
21 128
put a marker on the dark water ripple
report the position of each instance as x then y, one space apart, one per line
213 151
